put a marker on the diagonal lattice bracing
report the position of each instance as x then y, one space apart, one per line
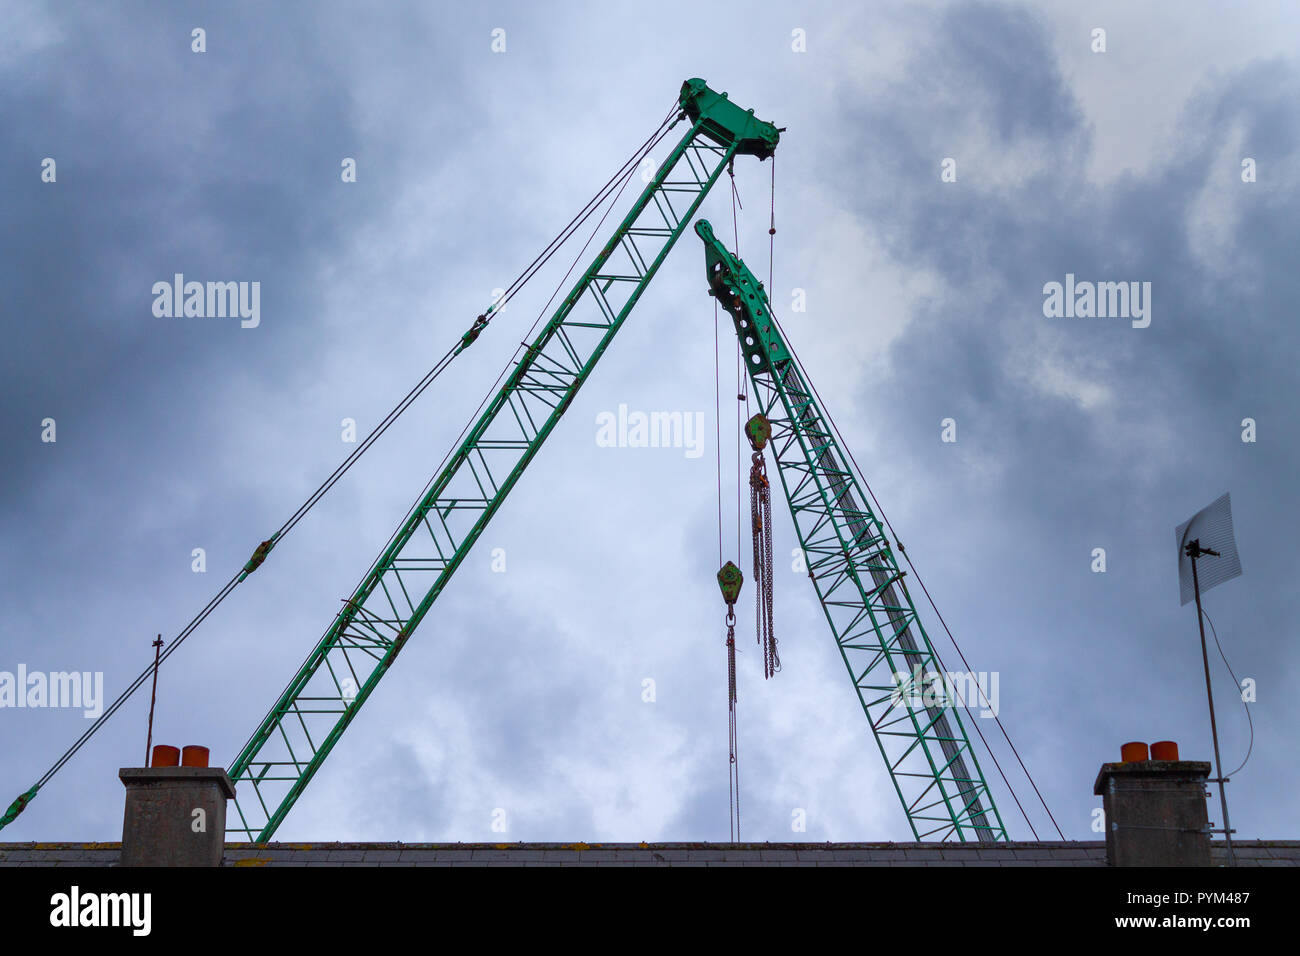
857 579
373 624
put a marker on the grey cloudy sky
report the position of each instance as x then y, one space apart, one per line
523 690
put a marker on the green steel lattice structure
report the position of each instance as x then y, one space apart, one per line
857 579
932 764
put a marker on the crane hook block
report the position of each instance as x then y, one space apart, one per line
759 430
729 580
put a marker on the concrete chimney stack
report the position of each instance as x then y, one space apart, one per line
175 810
1155 807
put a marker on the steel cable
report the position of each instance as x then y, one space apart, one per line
624 173
879 510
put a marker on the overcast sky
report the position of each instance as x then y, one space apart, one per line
523 690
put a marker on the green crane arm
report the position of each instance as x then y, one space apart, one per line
324 696
857 579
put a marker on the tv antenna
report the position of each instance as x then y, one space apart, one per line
1208 533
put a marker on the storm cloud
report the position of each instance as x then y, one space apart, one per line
525 689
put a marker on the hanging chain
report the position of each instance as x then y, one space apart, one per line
759 431
733 757
730 581
760 503
731 669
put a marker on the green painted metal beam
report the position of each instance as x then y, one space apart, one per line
858 581
366 636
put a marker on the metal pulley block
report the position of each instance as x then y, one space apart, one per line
759 431
730 580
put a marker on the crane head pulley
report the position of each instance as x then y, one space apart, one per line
726 123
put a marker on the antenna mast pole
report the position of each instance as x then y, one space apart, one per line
1194 551
153 697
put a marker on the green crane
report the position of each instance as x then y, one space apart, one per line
342 671
857 580
929 757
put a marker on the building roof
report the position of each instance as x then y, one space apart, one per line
1022 853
